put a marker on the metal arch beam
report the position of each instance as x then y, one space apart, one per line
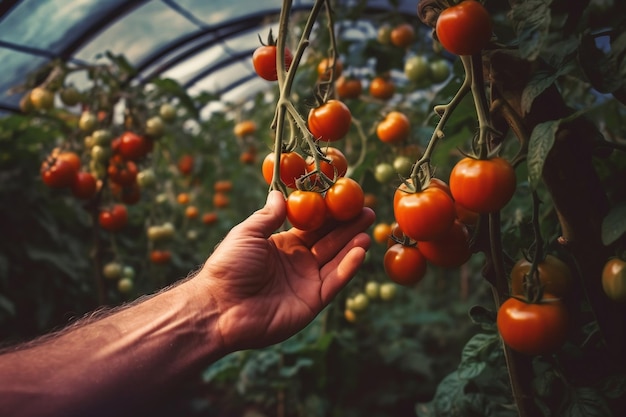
6 6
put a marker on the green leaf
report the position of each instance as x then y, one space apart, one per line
614 224
291 371
541 141
586 402
602 70
474 355
531 21
482 316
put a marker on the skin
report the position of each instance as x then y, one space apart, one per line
258 288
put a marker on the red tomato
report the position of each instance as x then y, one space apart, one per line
464 215
483 185
330 122
121 171
220 200
264 61
345 199
402 35
223 186
338 163
404 265
292 167
158 256
57 173
185 164
449 251
127 194
424 215
84 185
554 276
464 29
533 329
72 158
348 87
132 146
113 218
209 218
382 232
382 88
614 279
306 210
394 128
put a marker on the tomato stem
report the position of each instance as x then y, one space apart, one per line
480 103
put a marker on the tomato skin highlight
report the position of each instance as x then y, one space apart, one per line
533 329
483 185
264 61
330 122
292 167
404 265
345 199
554 275
464 29
614 279
306 210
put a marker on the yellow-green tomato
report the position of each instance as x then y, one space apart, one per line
112 270
387 291
360 302
372 289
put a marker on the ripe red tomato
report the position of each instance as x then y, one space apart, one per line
223 186
209 218
330 122
132 146
292 167
394 128
424 215
345 199
72 158
402 35
614 279
382 88
533 328
464 215
244 128
57 173
127 194
264 61
84 185
159 256
464 29
306 210
483 185
220 200
113 218
404 265
449 251
185 164
348 87
554 275
338 163
122 172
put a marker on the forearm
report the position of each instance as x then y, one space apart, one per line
121 360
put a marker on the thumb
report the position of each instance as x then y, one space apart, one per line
263 222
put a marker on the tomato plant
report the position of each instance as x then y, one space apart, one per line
404 265
464 29
264 61
292 167
113 218
483 185
553 275
344 199
306 210
330 122
614 279
394 128
533 328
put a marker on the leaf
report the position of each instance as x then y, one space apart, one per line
541 141
531 22
602 70
484 317
614 224
586 402
474 355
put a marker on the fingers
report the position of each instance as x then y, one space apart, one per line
263 222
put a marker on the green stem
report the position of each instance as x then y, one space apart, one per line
480 102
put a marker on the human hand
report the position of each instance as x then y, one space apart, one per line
267 286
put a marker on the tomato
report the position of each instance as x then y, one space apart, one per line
84 185
87 121
306 210
394 128
223 186
185 164
424 215
404 265
127 194
450 250
113 218
533 328
244 128
209 218
159 256
125 285
121 171
439 70
220 200
381 232
384 172
464 215
192 212
483 185
112 270
348 87
464 29
57 173
167 112
396 235
42 98
154 127
370 200
338 163
330 122
554 276
403 165
387 291
70 96
292 167
383 35
417 69
372 289
132 146
402 35
345 199
614 279
264 61
72 158
183 198
324 69
382 88
248 158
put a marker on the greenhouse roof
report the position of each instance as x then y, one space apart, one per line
205 45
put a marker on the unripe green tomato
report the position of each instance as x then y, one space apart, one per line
97 169
439 70
154 127
417 69
89 142
167 112
360 302
87 121
384 172
192 234
125 285
168 229
350 303
102 137
128 272
403 165
146 178
100 153
384 34
372 289
112 270
161 198
70 96
387 291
